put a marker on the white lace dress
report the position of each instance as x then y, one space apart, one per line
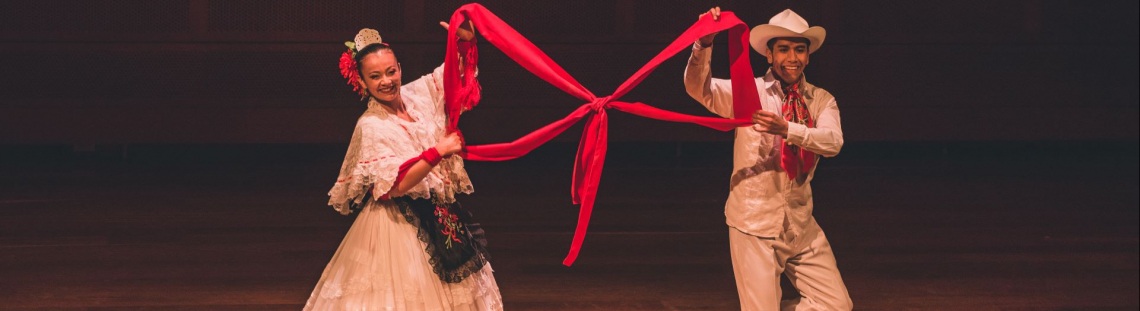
381 264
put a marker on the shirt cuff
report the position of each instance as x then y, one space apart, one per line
701 53
796 133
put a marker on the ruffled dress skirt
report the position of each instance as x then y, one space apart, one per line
382 265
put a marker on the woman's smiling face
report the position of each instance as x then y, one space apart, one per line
380 75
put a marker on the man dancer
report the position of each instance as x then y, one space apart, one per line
769 208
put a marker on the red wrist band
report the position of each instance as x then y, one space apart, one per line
431 156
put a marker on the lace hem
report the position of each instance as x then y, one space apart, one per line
479 292
348 194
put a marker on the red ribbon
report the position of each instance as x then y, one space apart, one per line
592 149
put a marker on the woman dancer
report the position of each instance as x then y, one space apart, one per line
412 247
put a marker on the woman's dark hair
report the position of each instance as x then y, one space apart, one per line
369 49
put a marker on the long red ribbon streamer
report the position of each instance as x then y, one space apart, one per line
592 149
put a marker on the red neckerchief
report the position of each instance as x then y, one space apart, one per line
793 159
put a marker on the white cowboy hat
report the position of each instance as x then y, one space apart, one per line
786 24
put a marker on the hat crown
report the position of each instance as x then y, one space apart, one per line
789 20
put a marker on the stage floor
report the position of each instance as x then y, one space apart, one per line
188 228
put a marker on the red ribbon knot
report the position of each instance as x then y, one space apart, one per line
601 103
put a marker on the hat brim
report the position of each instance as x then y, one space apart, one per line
760 35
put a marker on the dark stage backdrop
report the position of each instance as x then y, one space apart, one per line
122 72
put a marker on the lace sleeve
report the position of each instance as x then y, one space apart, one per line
370 163
431 85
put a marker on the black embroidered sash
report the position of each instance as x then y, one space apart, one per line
455 244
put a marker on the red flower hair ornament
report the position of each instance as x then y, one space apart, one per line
348 66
